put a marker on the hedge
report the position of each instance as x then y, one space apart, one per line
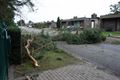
15 54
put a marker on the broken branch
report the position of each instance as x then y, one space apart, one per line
28 52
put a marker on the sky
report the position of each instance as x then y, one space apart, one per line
47 10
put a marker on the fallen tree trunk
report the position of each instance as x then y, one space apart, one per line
27 77
28 52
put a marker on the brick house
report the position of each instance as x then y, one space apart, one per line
110 22
82 22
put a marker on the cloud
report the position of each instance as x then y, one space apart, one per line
51 9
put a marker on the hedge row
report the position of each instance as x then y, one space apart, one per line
15 54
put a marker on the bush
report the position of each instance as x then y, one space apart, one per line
63 35
103 37
87 36
40 25
15 54
92 35
73 39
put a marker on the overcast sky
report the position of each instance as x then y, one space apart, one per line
47 10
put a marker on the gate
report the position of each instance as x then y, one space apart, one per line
4 50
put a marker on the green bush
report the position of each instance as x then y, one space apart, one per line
87 36
15 54
92 35
62 36
72 39
40 25
103 37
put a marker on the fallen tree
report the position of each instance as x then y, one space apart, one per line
35 63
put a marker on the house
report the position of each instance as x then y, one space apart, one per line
82 22
51 24
110 22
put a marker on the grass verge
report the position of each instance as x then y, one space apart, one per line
115 42
117 33
50 60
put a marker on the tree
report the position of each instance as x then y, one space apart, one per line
115 8
58 22
30 24
8 9
21 22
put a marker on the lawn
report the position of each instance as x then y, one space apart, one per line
44 50
117 33
50 60
115 42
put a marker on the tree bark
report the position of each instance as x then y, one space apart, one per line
28 52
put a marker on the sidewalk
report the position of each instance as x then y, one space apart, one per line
84 71
11 72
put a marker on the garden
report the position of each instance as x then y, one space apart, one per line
38 52
44 51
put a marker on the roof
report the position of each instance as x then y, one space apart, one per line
75 19
110 16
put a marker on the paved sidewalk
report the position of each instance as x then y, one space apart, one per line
11 72
75 72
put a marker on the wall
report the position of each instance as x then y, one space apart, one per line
112 24
118 24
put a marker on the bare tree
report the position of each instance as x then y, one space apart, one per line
115 8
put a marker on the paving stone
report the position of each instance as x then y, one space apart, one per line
76 72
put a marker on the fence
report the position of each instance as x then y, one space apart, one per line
4 51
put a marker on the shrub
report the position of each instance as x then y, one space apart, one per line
40 25
92 35
103 37
73 39
63 35
87 36
15 54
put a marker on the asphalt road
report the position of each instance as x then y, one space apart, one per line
106 56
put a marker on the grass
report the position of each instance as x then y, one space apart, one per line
48 57
50 60
117 33
115 42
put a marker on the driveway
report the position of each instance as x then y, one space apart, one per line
106 56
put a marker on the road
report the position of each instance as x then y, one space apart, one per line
105 56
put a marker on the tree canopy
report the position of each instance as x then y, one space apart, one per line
21 22
8 9
115 8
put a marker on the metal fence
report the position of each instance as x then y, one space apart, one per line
4 51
